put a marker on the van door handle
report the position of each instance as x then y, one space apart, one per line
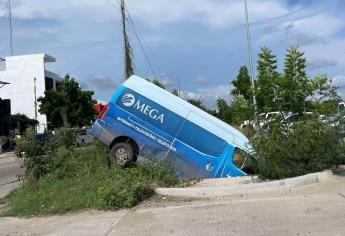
209 166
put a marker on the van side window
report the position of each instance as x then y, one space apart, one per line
201 139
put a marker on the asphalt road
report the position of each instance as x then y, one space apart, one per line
9 170
316 209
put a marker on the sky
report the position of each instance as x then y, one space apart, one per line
201 43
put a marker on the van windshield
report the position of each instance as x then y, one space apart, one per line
239 158
243 161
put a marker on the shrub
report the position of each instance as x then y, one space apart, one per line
63 137
120 196
126 187
67 178
43 156
36 163
307 146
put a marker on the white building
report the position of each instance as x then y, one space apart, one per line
28 80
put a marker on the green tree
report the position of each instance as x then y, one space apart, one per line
224 111
197 102
294 85
21 122
159 84
68 107
325 98
242 84
241 109
175 92
267 79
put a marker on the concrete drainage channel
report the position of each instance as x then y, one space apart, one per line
220 188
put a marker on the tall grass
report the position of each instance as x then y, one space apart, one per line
81 178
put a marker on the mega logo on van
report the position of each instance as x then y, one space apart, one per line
129 100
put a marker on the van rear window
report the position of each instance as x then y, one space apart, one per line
201 139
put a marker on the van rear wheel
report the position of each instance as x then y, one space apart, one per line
122 154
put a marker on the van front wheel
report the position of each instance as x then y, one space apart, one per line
122 154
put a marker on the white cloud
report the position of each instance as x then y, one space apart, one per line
323 25
101 83
200 80
84 21
209 12
56 9
335 49
333 52
209 95
301 28
339 81
320 63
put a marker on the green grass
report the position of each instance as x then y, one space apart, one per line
81 179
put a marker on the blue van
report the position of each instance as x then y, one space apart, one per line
143 119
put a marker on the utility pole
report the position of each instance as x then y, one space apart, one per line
10 26
35 102
127 49
249 46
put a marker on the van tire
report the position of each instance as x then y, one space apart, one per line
122 154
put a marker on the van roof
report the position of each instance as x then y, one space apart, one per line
189 111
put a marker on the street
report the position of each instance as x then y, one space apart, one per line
316 209
9 170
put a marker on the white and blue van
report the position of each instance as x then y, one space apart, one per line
143 119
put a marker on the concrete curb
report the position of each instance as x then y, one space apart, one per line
239 189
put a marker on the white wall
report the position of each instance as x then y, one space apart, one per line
20 72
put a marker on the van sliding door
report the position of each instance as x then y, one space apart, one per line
197 149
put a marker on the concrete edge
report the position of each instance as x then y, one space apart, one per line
239 189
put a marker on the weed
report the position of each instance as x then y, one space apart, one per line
81 178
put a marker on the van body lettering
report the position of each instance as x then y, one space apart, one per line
143 108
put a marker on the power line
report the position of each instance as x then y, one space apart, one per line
155 61
152 53
140 43
148 46
111 3
140 39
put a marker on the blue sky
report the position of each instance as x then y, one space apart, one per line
200 42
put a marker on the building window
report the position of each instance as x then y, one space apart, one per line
57 86
49 83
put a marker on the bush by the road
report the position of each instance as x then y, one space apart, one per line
62 178
308 146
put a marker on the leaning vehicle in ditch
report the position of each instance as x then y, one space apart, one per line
141 119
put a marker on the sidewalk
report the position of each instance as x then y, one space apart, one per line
314 209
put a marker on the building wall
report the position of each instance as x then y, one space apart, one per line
20 71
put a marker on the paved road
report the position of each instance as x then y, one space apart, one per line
9 170
317 209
